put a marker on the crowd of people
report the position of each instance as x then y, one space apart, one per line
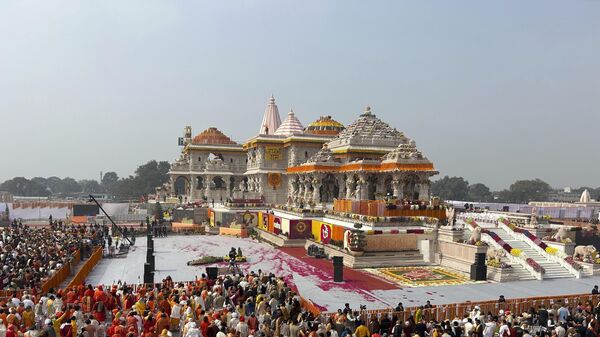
256 304
29 256
558 320
260 305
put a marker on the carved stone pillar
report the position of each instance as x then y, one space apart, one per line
227 187
307 185
424 191
316 195
361 188
207 192
260 181
349 187
341 186
299 197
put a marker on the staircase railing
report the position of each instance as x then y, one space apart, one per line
528 238
486 236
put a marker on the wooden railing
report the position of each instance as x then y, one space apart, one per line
451 311
61 275
88 266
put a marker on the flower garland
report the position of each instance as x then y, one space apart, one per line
535 265
516 252
569 259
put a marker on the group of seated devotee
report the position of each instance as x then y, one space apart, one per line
256 304
261 305
29 256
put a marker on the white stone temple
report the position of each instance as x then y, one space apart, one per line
286 163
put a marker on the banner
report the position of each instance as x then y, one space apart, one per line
325 233
277 225
300 229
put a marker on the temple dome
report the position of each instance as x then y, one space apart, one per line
325 125
290 126
271 120
368 130
212 136
585 197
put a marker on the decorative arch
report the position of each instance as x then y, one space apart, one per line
182 185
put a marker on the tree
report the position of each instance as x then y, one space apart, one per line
90 186
479 193
524 191
109 182
451 188
20 186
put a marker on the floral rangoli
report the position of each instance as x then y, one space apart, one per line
421 276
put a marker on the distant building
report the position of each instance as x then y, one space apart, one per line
563 195
6 196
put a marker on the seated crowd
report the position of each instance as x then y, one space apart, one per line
262 305
30 256
255 304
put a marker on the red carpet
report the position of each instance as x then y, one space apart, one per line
357 278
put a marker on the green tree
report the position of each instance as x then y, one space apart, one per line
109 182
451 188
21 186
524 191
90 186
479 193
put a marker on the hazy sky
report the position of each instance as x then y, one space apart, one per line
490 90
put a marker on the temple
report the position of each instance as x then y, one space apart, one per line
286 163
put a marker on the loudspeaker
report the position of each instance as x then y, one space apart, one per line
480 258
149 253
212 273
338 269
150 241
148 274
478 272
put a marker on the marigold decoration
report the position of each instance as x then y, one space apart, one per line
551 250
516 252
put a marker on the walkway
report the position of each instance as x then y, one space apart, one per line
313 278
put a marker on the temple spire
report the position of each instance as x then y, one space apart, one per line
271 120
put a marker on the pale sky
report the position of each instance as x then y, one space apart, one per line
493 91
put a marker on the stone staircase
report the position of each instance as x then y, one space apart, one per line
388 259
517 271
552 269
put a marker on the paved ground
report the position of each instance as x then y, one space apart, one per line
313 278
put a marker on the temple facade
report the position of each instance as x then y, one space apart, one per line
287 163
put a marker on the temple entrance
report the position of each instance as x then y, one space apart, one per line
410 190
182 186
218 183
388 185
371 187
329 189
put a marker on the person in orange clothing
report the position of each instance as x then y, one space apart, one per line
88 299
11 318
162 323
132 323
99 295
71 296
99 311
28 318
149 326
